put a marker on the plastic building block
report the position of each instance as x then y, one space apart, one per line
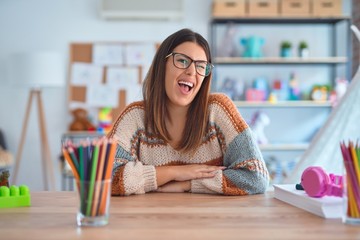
14 196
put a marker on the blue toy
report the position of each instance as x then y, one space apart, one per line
253 46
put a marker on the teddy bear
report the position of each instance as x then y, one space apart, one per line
81 122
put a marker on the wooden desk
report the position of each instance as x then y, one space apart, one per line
172 216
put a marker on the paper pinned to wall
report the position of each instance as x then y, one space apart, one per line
139 54
127 78
108 54
88 61
122 77
102 95
76 104
134 93
85 74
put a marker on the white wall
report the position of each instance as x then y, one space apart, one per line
37 25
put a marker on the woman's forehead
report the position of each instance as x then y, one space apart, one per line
191 49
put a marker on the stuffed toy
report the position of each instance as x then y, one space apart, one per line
81 122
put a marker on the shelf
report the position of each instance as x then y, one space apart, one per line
292 104
283 20
281 60
284 147
330 61
77 136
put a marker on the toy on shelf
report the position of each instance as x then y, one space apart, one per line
259 90
280 89
105 120
253 46
81 122
258 123
273 97
14 196
339 90
294 91
233 88
227 47
319 92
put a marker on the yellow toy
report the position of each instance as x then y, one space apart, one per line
105 119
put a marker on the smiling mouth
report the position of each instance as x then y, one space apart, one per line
186 86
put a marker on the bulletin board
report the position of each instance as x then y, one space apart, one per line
107 73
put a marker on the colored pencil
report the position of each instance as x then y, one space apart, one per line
352 168
107 175
99 174
92 171
91 164
71 164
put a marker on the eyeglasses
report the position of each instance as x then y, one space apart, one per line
182 61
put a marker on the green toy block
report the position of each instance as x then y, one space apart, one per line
14 196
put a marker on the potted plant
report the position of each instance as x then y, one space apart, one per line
303 49
285 50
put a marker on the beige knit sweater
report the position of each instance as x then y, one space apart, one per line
228 142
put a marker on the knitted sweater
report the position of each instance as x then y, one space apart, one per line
228 142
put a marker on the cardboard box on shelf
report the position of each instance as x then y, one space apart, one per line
229 8
263 8
295 8
326 8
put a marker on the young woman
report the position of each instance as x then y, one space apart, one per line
181 138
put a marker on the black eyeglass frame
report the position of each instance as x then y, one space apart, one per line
208 65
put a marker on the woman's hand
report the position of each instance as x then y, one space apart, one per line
175 187
195 171
181 173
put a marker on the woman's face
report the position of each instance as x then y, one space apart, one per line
182 85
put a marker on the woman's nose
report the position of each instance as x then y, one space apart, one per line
191 70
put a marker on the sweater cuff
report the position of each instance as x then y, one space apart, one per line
198 187
208 185
149 175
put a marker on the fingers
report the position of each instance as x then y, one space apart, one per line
196 171
208 171
207 168
207 175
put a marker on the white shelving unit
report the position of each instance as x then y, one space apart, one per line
280 60
289 119
284 147
284 104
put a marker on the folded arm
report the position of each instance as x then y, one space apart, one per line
246 172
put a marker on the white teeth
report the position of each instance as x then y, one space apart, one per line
187 83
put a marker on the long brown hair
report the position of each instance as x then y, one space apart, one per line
155 97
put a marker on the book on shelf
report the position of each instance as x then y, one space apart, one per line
326 207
